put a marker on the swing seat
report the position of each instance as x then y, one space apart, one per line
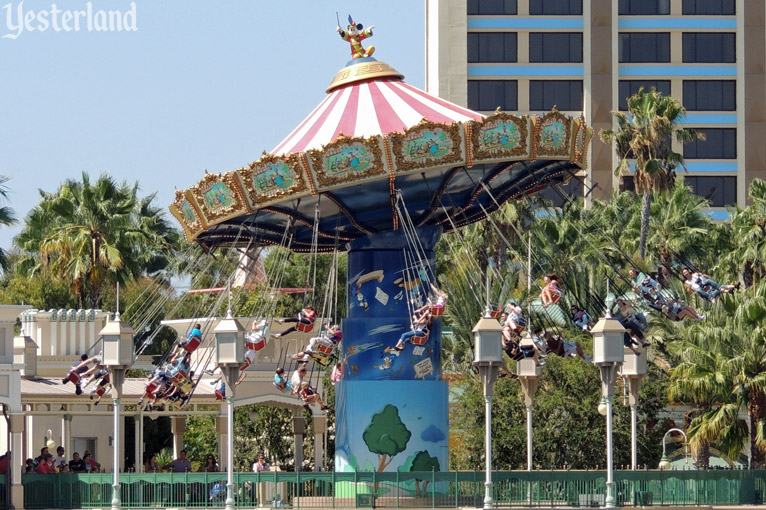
102 389
176 376
74 377
255 343
555 298
304 328
283 390
246 364
325 349
437 310
219 395
495 313
419 340
150 388
186 385
192 344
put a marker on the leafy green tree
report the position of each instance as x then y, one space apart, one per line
568 431
644 135
93 234
386 435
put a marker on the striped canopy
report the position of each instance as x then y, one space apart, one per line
370 108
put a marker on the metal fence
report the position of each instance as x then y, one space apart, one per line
452 489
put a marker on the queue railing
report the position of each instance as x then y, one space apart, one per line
427 489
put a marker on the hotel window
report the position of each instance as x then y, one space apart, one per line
719 143
709 7
705 47
719 191
566 95
487 95
555 7
481 7
553 47
644 47
492 47
644 7
630 87
708 95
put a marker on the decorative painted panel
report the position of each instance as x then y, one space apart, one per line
219 197
581 143
187 215
553 132
273 179
501 136
427 146
347 160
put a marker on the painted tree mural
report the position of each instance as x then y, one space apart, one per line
424 462
386 435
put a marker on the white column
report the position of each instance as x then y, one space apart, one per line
610 500
178 428
16 460
529 438
299 428
633 436
220 429
137 422
319 424
66 434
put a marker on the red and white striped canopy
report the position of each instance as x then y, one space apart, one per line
369 108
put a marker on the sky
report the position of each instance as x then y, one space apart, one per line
199 85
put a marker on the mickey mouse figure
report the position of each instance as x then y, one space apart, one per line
355 35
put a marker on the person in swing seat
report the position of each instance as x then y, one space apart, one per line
306 316
421 327
704 286
580 318
551 293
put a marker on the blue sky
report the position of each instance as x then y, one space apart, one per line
200 85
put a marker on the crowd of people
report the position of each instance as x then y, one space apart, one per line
46 463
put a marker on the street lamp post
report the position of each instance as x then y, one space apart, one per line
608 355
634 369
229 354
117 338
529 374
664 461
488 356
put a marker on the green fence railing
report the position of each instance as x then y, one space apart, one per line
432 489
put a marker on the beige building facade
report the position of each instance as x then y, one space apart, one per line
527 56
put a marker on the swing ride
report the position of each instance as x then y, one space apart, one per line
380 169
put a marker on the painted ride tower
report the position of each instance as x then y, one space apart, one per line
373 147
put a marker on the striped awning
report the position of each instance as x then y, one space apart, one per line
370 108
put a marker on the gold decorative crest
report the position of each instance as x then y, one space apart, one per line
427 145
553 136
219 197
187 215
273 179
500 136
363 71
582 138
347 160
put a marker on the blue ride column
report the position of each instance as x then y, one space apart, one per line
391 406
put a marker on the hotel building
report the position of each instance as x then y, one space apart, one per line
527 56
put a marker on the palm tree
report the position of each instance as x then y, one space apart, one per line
749 231
724 359
6 218
644 134
678 225
95 233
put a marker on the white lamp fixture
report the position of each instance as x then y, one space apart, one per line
117 341
488 356
229 342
